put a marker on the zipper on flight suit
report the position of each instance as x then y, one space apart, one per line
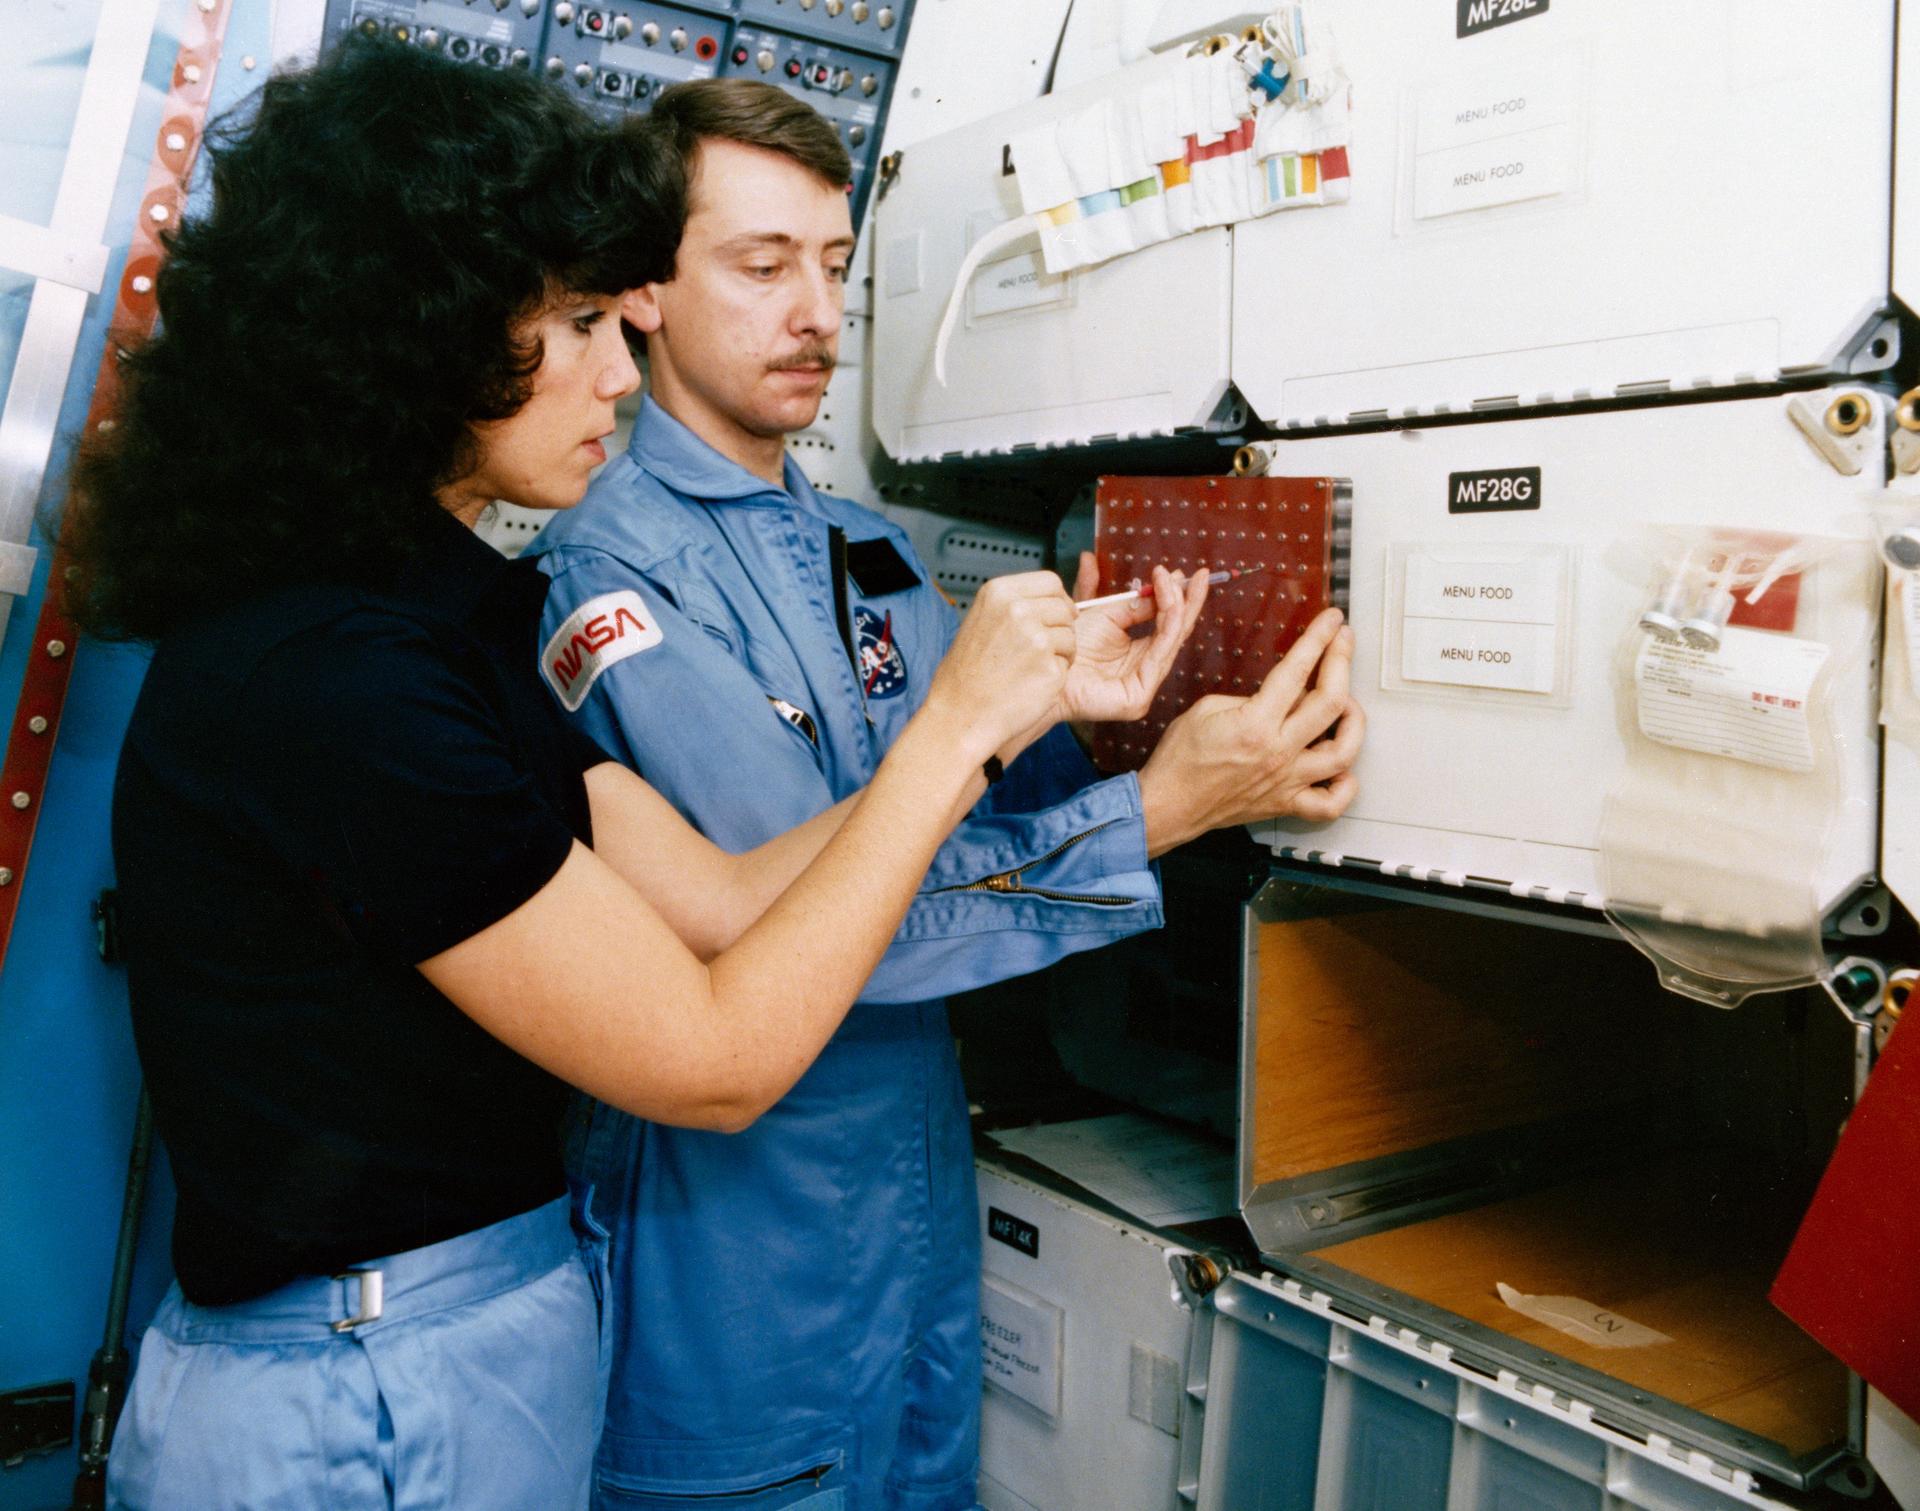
843 610
1008 883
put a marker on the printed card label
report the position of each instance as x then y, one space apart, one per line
1524 590
1021 282
1013 1232
1514 657
1749 700
1583 1320
1480 175
1020 1344
602 632
1472 16
1480 106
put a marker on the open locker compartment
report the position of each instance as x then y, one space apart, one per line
1436 1105
1508 152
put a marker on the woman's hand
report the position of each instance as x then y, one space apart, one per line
1003 676
1115 674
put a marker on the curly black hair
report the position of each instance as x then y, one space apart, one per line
339 320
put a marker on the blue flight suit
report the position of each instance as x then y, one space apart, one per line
796 1306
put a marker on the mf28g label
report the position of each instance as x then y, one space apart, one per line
1496 492
1483 15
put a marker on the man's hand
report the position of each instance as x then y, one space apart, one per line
1115 675
1277 754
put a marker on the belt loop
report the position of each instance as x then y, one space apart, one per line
372 1298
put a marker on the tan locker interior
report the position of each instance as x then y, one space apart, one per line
1395 1029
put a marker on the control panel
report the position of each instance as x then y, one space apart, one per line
840 56
849 88
484 33
620 57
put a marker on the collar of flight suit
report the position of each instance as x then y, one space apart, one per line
679 459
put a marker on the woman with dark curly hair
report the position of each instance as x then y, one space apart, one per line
381 907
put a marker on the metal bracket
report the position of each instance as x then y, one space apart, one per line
889 171
38 1419
1196 1276
1864 915
1875 349
1840 428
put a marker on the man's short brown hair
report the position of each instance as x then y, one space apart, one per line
754 114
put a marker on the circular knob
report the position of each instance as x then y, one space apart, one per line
857 134
806 4
764 58
529 7
622 28
834 7
429 37
555 68
885 17
583 74
860 10
1902 548
678 38
563 12
868 84
520 58
650 32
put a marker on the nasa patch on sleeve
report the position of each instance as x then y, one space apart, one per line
600 633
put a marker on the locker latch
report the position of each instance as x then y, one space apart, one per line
37 1419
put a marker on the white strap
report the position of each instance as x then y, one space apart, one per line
1003 235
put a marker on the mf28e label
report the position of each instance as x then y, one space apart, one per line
1507 488
1483 15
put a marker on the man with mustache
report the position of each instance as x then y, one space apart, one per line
796 1306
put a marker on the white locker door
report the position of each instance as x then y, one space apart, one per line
1508 786
1084 1348
1581 198
1134 347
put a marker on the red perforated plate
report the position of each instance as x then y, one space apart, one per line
1286 524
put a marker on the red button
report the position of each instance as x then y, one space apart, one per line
793 68
739 55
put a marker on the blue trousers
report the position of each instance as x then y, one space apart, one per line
478 1388
796 1308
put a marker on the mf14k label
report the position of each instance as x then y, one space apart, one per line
1483 15
1014 1233
1493 492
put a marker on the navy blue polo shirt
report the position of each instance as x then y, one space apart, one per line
321 787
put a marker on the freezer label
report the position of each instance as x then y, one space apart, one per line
1472 16
1493 492
1020 1344
1014 1233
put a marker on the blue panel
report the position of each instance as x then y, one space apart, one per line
1271 1427
1397 1455
68 1080
1503 1480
